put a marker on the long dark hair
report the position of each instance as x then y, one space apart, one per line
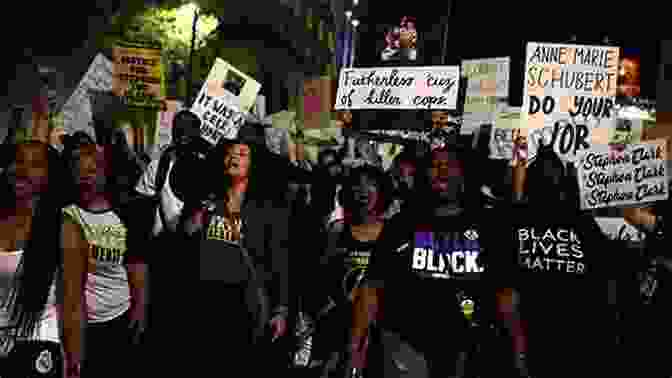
41 258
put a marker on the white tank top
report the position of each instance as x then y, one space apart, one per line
48 328
107 292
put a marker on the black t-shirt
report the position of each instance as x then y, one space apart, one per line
422 263
565 262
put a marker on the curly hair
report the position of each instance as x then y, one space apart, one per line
261 185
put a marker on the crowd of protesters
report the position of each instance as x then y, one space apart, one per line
235 261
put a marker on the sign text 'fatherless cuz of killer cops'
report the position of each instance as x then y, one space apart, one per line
398 88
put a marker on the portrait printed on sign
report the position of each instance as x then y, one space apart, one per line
234 83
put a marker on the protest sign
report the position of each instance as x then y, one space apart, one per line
314 107
487 84
501 137
398 88
636 175
137 75
77 113
619 229
568 91
223 101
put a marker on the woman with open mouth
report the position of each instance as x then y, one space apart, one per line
366 194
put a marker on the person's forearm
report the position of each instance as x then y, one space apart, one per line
509 315
137 273
641 218
365 309
73 328
516 328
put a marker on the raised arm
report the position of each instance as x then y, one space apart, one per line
74 278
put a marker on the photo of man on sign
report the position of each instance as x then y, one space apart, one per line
234 83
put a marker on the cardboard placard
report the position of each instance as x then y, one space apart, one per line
635 176
225 98
502 133
398 88
77 113
487 84
316 104
569 90
137 75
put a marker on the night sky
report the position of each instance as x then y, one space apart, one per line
479 29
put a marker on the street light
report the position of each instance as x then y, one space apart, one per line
355 24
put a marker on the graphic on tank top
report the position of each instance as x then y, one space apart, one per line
550 249
224 228
355 263
107 291
447 255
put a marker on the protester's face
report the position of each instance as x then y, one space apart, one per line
91 167
447 176
237 160
440 119
28 174
365 193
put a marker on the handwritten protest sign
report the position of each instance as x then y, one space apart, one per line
487 85
501 137
637 175
77 113
398 88
137 75
223 101
568 91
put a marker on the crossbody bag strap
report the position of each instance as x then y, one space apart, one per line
160 180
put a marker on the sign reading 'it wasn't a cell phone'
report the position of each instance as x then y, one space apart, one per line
225 98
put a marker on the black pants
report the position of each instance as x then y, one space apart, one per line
108 349
33 358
